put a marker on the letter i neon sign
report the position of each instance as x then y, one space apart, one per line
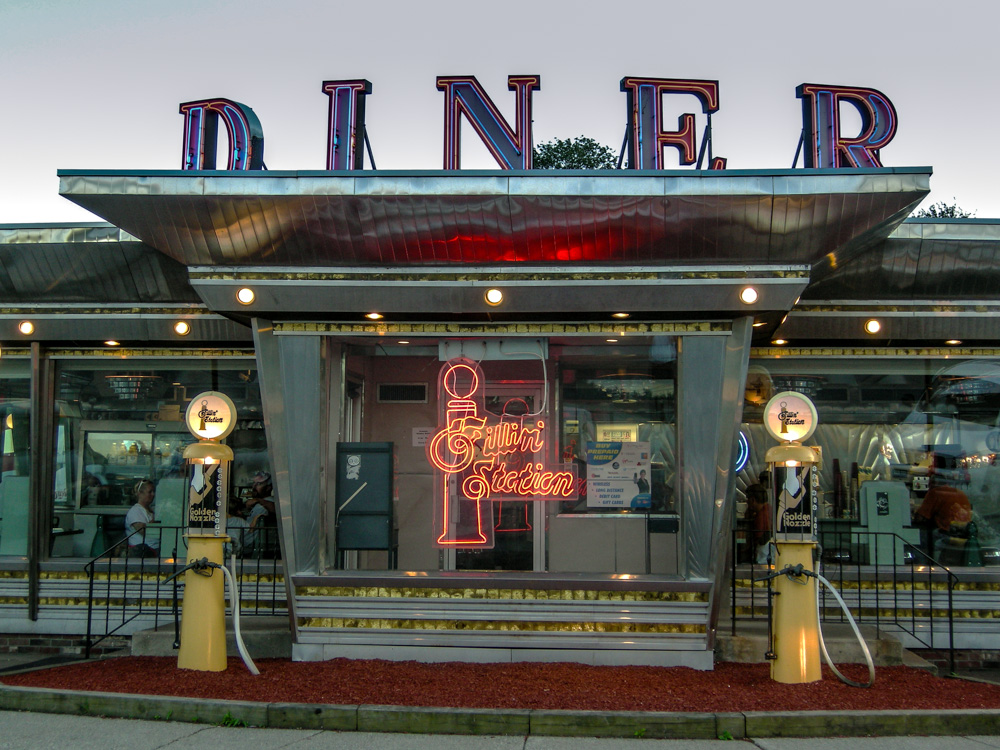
483 458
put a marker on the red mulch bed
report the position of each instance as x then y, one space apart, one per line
731 687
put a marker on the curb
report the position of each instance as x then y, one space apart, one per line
523 722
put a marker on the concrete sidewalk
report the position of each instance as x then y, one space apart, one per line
29 731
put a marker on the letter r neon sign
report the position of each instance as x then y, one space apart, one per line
825 146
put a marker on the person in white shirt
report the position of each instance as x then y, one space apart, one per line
140 515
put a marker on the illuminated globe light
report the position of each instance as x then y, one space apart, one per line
245 296
790 416
26 327
872 326
494 297
748 295
742 452
182 328
779 342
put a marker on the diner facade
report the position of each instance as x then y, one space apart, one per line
507 415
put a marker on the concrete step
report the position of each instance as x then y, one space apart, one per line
749 644
264 638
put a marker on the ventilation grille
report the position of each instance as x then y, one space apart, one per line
402 393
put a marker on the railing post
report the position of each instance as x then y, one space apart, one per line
89 567
732 598
951 623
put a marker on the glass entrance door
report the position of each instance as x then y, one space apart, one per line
518 525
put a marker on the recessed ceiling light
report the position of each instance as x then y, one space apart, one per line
402 342
748 295
872 326
779 342
245 296
182 328
494 297
620 315
26 327
112 342
373 316
612 341
953 342
758 325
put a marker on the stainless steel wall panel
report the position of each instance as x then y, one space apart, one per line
291 378
700 382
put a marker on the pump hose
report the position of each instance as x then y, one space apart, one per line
234 604
857 633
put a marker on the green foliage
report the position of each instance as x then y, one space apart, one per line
944 210
640 733
573 153
231 721
727 735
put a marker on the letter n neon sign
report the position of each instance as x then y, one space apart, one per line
482 458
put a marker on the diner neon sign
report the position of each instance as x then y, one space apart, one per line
483 458
826 146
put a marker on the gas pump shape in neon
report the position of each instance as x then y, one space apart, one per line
825 145
482 458
210 416
790 416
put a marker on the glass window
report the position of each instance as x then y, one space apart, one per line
15 425
584 399
121 421
910 423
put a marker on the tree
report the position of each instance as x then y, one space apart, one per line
944 210
574 153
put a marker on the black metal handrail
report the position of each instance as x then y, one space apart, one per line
257 547
855 557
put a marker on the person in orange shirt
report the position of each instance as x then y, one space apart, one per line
946 509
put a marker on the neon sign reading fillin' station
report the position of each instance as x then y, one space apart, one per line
482 458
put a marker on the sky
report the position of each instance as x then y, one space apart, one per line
96 84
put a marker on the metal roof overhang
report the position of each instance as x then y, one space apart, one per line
336 245
931 281
88 283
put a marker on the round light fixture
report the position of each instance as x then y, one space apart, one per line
494 297
112 342
245 296
373 316
748 295
953 342
779 342
620 315
759 324
26 327
872 326
182 328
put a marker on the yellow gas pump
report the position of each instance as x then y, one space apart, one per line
210 417
791 418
